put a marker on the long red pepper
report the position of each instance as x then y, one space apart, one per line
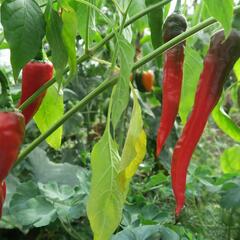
172 78
34 75
218 63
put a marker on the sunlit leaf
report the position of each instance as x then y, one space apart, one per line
230 160
50 111
237 69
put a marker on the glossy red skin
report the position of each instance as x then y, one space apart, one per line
174 25
3 190
217 65
12 129
34 75
172 85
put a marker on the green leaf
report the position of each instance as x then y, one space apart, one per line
231 198
69 204
223 12
46 171
24 28
29 208
237 69
134 149
225 123
50 111
82 17
56 193
83 12
69 32
230 160
59 54
147 233
191 72
136 7
105 200
121 90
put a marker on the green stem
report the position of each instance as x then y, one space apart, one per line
39 56
103 86
87 30
91 52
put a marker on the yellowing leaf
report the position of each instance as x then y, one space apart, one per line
134 148
50 111
105 200
109 186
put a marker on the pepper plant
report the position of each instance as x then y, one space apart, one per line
89 165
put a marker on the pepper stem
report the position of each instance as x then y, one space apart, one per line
6 101
39 56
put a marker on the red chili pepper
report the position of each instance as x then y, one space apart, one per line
11 137
218 63
3 190
12 129
172 78
34 75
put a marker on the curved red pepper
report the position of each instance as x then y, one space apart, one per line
172 78
12 129
219 61
34 75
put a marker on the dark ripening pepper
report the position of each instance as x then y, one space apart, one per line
144 81
35 74
218 63
155 20
174 25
